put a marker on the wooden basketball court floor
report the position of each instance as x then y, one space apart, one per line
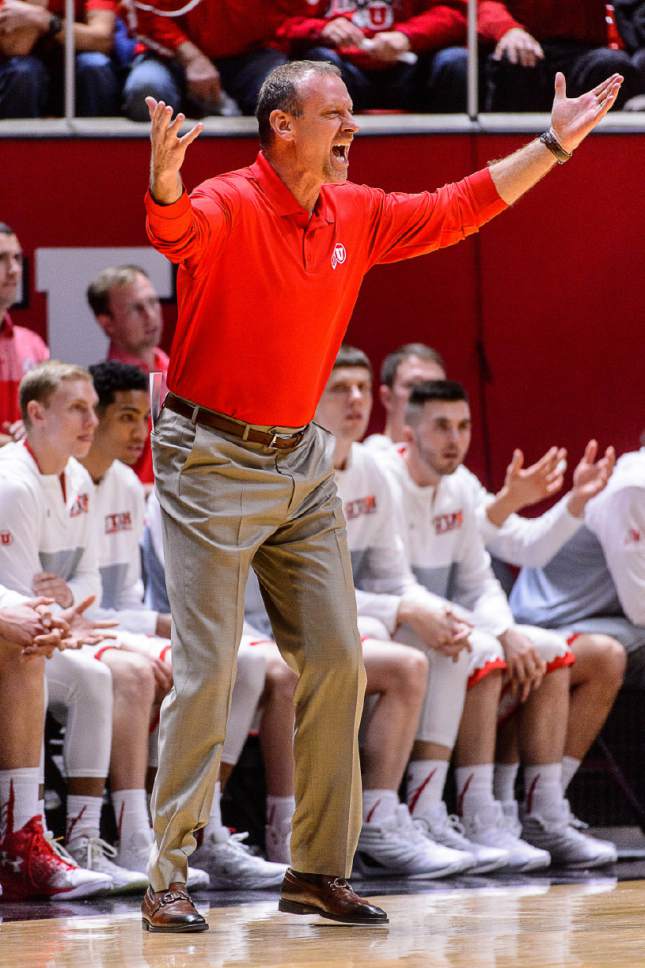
594 922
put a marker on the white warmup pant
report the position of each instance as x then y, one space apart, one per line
80 697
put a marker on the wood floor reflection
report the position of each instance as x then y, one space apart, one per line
586 925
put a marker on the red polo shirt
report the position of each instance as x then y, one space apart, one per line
583 20
265 292
20 350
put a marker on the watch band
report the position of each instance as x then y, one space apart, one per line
549 139
55 26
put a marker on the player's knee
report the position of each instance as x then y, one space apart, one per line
412 673
612 658
133 678
281 680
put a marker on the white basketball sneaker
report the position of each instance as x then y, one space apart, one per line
561 834
448 830
396 846
491 828
95 854
135 854
277 838
231 865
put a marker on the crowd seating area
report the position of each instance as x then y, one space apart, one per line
210 58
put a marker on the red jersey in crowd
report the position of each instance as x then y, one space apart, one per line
581 20
82 7
20 350
428 25
266 289
219 28
143 467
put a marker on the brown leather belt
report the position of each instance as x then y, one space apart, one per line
218 421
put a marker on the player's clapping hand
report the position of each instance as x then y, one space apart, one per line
53 586
524 486
572 118
525 668
82 630
168 149
590 477
341 32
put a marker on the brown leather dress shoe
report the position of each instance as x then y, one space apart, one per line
330 897
171 910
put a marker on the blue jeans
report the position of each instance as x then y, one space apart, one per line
26 83
164 80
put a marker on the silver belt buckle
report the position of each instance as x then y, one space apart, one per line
277 436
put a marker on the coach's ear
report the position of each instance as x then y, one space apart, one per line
282 125
385 396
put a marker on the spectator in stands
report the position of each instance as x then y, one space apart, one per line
383 49
127 308
32 37
123 412
189 60
598 671
535 38
20 348
630 21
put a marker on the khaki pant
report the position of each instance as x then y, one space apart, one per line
226 505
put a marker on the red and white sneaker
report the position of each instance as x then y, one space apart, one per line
31 867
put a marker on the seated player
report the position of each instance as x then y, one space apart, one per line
123 414
594 584
598 671
29 634
447 554
48 548
230 862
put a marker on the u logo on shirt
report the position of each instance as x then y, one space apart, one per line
339 255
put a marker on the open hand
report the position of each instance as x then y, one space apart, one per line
168 150
590 477
529 485
572 118
82 630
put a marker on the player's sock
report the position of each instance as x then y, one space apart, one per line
543 789
474 788
379 805
18 796
280 810
425 781
504 781
215 829
569 769
131 814
83 817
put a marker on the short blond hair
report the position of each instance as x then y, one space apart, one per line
42 382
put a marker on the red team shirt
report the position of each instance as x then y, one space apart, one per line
428 25
265 293
20 350
581 20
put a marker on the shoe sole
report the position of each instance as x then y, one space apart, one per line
582 864
487 868
296 907
174 929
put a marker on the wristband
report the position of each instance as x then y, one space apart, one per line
55 26
551 142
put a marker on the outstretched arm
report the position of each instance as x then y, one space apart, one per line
572 119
